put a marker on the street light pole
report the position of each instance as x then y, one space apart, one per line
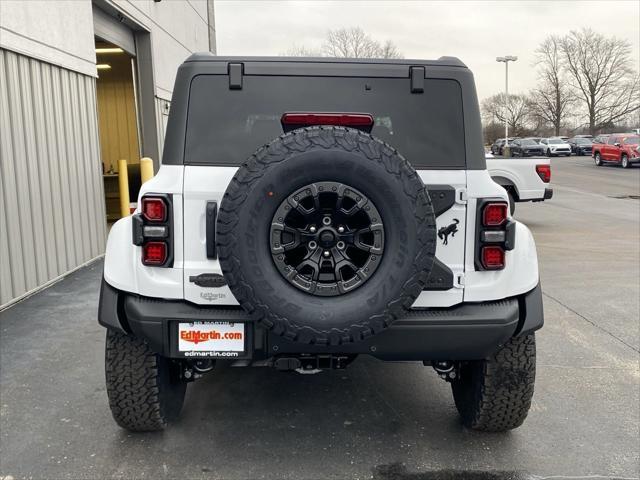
506 60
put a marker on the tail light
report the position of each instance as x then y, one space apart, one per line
154 209
493 257
360 121
495 234
494 214
544 172
154 253
152 230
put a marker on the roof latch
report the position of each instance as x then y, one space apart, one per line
235 76
417 79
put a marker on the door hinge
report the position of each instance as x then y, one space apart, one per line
459 280
461 195
236 71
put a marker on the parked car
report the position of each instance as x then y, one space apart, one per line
555 146
304 239
525 180
497 147
580 145
599 141
583 136
525 147
620 148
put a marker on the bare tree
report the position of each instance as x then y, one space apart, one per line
355 43
348 43
551 99
389 50
599 71
514 109
302 51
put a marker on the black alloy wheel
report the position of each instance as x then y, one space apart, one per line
327 238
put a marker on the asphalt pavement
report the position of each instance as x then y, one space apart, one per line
374 420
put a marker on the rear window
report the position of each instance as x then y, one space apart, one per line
225 126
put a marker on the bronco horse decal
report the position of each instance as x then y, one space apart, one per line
444 232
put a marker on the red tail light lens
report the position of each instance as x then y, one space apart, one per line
154 209
544 172
494 214
493 257
154 253
338 119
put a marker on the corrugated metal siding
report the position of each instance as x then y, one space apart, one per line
52 213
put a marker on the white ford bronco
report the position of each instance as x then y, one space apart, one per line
308 211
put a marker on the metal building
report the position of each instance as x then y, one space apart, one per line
82 84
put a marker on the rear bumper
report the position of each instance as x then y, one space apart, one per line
547 194
465 332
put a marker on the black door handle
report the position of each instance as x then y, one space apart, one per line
211 215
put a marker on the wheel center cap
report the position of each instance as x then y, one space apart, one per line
326 239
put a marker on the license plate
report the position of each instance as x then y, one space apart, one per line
214 339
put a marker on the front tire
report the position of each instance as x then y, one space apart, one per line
549 153
624 161
144 389
494 395
597 159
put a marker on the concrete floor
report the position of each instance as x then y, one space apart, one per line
374 420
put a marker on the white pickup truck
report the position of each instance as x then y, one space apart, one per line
524 179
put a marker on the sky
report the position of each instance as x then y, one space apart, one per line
474 31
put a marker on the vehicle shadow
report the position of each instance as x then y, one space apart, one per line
370 417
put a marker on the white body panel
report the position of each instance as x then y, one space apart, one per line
521 271
521 172
451 254
124 270
202 185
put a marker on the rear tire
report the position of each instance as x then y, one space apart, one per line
597 159
549 153
624 161
494 395
144 389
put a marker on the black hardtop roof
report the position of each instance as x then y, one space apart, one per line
440 62
236 67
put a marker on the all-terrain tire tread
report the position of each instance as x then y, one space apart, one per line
134 387
498 395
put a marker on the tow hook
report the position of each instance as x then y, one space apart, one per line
310 364
194 370
447 370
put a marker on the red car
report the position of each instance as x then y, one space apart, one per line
620 148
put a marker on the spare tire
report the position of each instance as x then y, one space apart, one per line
326 235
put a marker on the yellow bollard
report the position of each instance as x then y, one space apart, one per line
146 169
123 183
